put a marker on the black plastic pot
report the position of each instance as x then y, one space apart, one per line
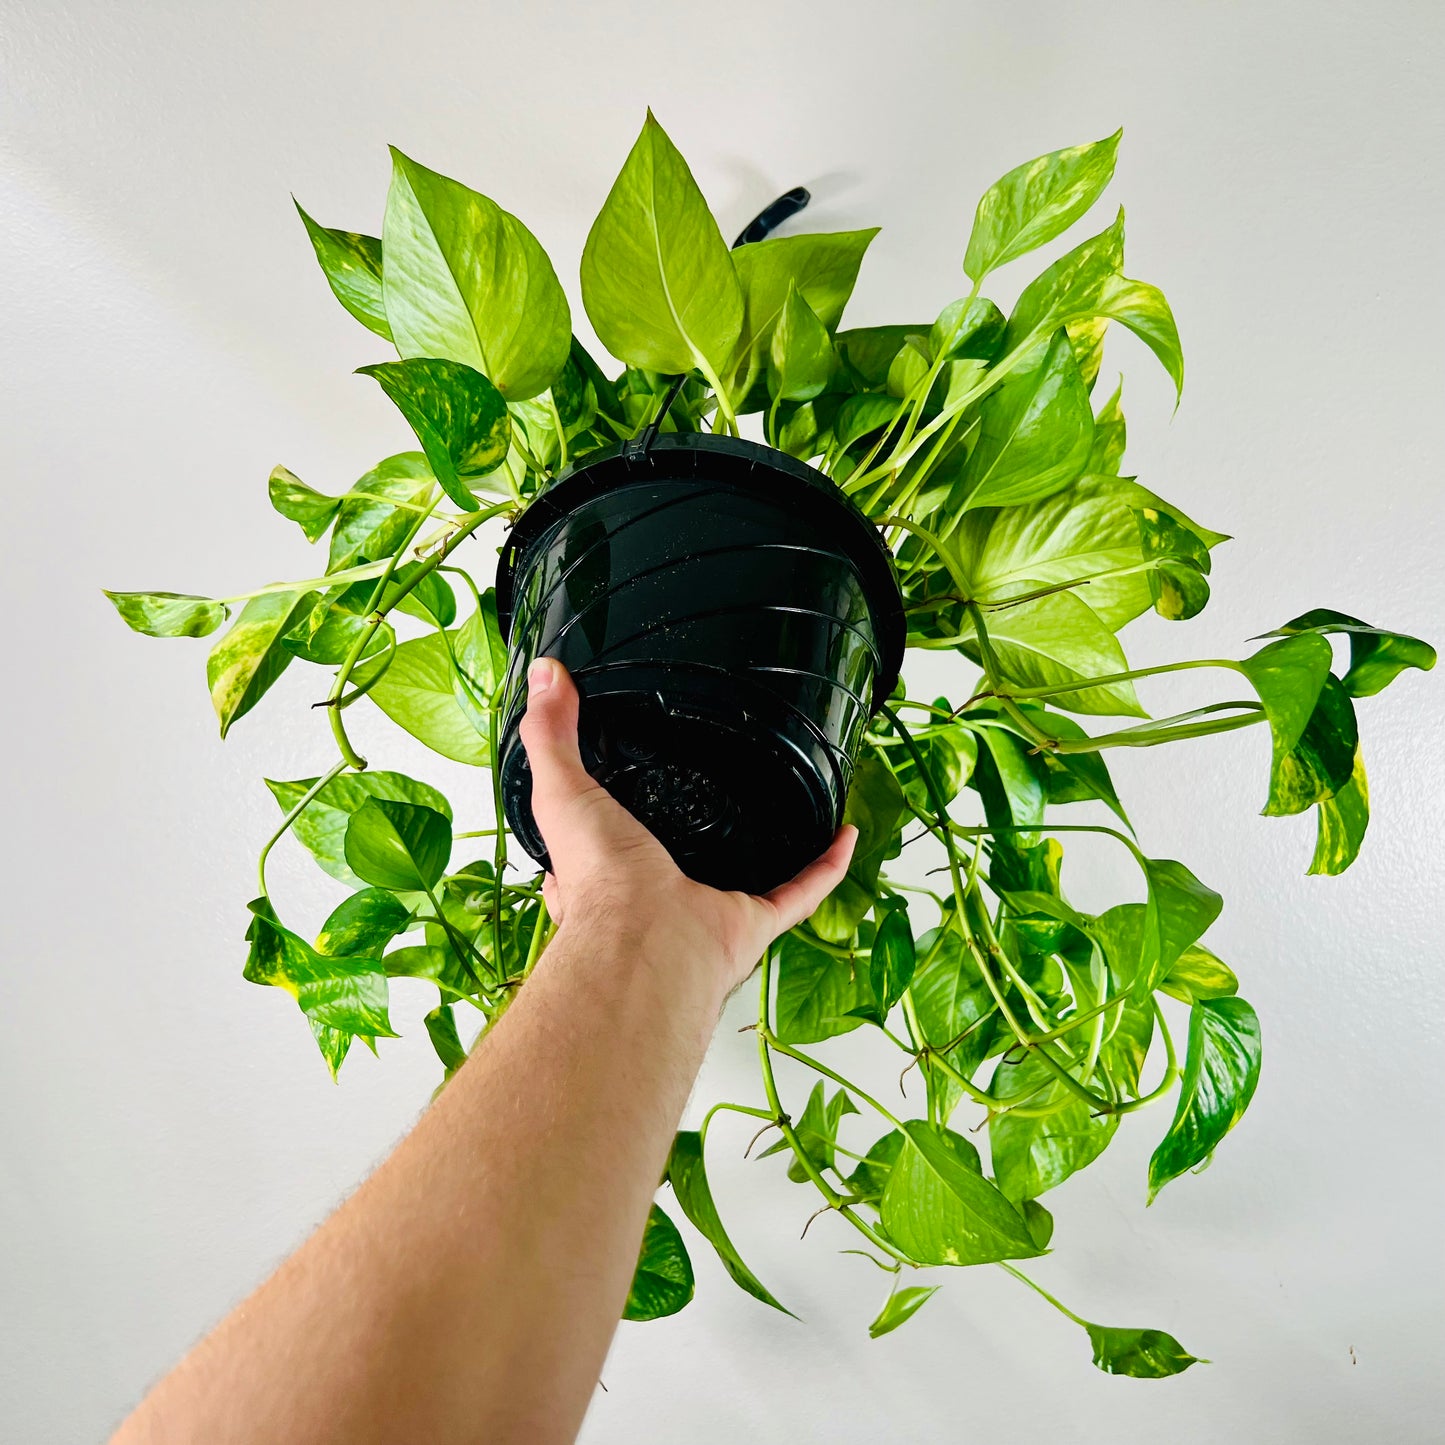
731 620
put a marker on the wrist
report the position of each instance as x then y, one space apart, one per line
645 944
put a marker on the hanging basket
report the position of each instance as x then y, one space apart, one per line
731 620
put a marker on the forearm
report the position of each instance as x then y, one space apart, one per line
469 1290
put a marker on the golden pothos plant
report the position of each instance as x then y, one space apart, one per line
976 442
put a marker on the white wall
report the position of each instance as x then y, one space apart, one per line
168 1131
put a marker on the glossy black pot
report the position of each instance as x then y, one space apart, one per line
731 620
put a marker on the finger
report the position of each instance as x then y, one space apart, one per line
797 898
549 734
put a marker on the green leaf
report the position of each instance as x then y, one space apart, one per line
954 1009
892 960
352 265
362 925
870 1178
909 366
169 614
468 282
416 693
250 657
800 354
1074 534
902 1305
1221 1071
1036 430
1073 777
1033 1155
1341 824
860 415
1177 583
459 417
1037 201
875 807
949 756
1056 639
311 510
321 826
968 330
431 599
818 992
1377 657
1125 1052
662 1283
1110 437
816 1131
686 1172
1142 1354
657 280
371 526
334 1044
1088 283
939 1209
401 846
1178 912
1311 721
823 268
1197 974
349 994
480 649
441 1028
870 350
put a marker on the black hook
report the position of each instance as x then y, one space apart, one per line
771 217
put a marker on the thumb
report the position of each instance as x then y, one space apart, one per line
549 734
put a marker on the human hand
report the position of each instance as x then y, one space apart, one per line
611 876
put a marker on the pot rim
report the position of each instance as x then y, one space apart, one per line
741 465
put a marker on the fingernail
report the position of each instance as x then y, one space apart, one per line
541 674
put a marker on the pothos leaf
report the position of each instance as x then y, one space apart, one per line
1036 431
657 280
349 994
416 692
819 993
939 1209
466 281
800 352
250 657
1342 822
1037 201
459 417
352 265
311 510
401 846
169 614
371 525
1377 657
1032 1155
902 1305
1088 282
1142 1354
891 960
321 826
816 1131
875 807
662 1283
363 924
688 1177
1221 1072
